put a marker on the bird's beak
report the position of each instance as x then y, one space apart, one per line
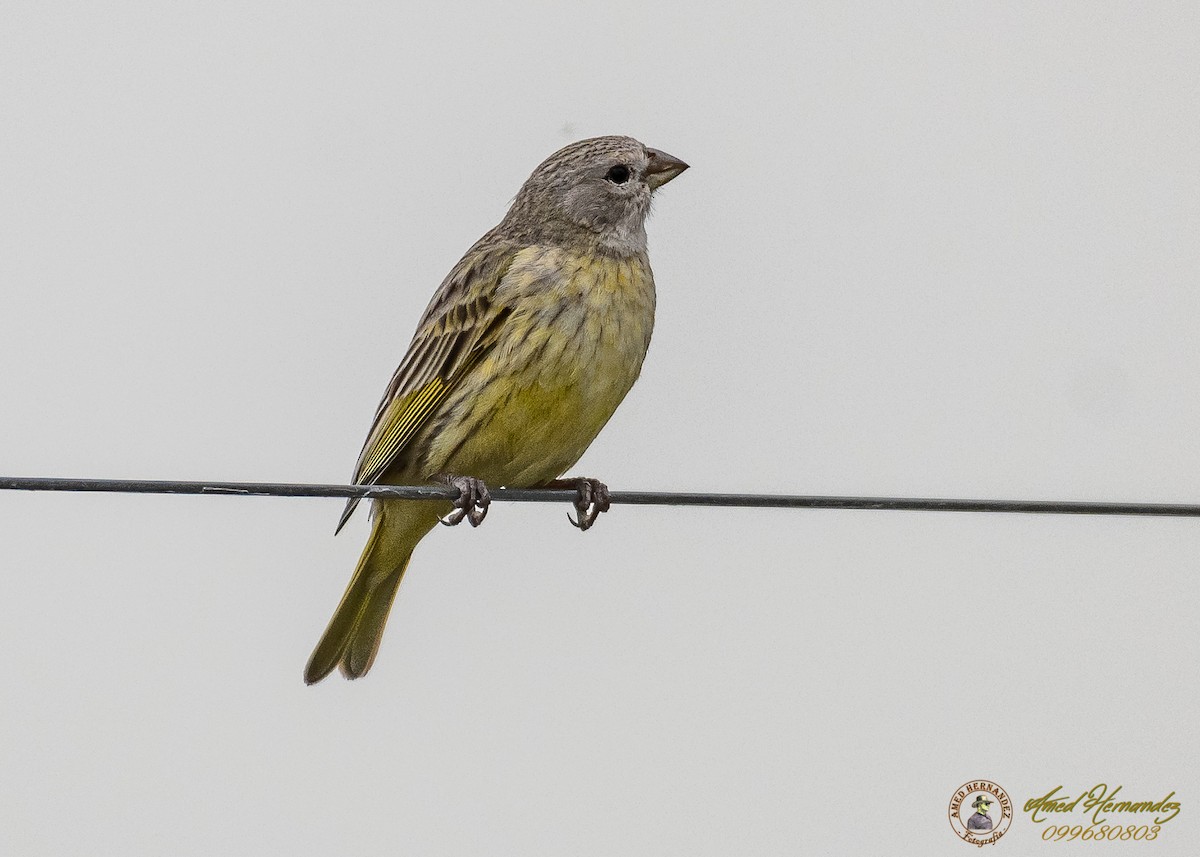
662 168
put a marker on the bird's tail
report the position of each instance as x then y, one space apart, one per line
352 639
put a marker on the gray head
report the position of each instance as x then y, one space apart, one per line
597 190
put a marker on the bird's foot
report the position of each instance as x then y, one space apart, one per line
592 497
472 503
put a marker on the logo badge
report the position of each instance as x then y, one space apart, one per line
980 812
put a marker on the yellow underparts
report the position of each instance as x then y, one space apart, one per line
571 350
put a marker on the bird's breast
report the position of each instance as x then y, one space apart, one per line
587 325
572 348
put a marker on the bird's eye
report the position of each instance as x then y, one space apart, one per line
618 174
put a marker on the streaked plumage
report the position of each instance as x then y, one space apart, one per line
525 351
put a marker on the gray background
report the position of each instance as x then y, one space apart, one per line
944 250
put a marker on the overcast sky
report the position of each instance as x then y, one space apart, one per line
931 249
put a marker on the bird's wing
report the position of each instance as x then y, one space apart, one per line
460 326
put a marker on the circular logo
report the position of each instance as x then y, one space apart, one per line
980 812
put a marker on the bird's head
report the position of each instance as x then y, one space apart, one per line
600 187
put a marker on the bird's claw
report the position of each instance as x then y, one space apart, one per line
472 503
592 499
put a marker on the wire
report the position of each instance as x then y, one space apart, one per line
633 498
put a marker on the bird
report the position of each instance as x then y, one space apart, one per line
525 351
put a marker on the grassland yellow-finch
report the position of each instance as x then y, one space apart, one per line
525 351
